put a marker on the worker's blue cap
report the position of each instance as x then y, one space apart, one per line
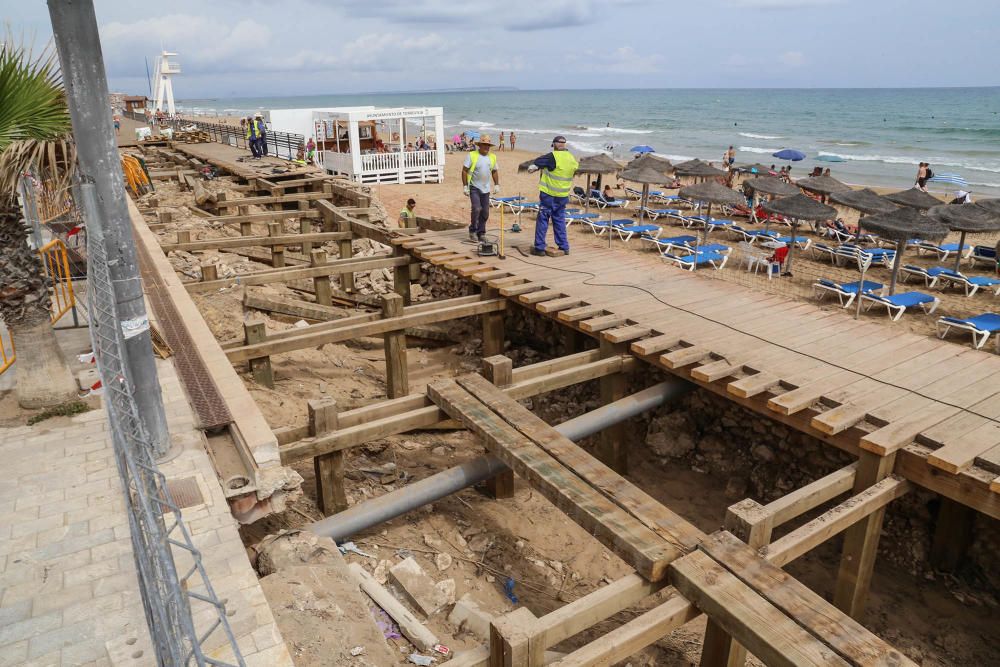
559 138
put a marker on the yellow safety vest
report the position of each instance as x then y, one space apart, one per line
558 182
474 158
252 132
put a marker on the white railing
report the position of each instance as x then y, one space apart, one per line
339 162
379 163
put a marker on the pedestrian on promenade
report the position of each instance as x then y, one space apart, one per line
408 216
253 138
554 186
479 168
261 133
118 124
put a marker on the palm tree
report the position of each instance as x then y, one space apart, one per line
34 135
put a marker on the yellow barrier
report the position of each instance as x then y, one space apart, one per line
56 263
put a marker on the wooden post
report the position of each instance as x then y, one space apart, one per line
401 276
612 448
396 382
493 331
331 496
164 216
861 540
277 251
325 213
253 332
220 198
305 226
346 252
510 640
321 284
753 523
209 272
500 371
184 236
952 534
246 228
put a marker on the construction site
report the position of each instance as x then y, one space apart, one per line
523 465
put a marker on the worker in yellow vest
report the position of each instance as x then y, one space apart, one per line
479 168
253 138
554 186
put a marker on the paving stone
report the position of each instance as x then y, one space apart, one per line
44 604
14 654
31 627
18 611
53 640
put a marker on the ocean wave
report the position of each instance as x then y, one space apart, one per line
751 135
676 158
984 185
586 147
475 123
616 130
975 131
934 161
762 151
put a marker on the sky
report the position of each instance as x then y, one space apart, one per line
300 47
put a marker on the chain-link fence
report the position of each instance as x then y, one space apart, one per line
172 599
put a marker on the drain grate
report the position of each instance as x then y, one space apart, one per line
185 492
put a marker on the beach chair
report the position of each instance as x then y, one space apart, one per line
984 254
802 242
845 292
578 194
944 250
692 261
635 192
672 243
823 250
718 223
626 232
843 236
598 200
930 276
654 213
857 254
897 304
577 216
981 327
498 202
600 226
971 284
751 235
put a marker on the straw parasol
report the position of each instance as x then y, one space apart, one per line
823 185
798 208
965 218
599 164
652 160
771 185
914 198
697 169
866 201
990 204
646 175
712 192
756 168
900 225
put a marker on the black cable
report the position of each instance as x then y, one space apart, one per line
593 276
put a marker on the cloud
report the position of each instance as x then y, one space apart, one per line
793 58
781 4
620 60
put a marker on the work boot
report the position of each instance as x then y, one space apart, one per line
538 253
481 237
565 251
473 237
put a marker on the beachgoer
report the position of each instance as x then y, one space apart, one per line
262 133
608 195
554 186
118 124
500 147
300 152
407 217
253 138
513 140
826 172
310 151
730 157
817 171
961 197
921 181
476 176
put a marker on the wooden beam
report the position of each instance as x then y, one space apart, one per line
285 275
953 534
245 241
309 337
812 495
564 378
266 216
510 638
499 370
266 200
394 342
260 366
277 251
331 496
321 284
492 325
408 624
612 446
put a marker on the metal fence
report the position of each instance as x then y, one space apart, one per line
284 145
172 599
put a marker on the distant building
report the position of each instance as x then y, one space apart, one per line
135 103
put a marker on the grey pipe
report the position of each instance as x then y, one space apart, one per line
378 510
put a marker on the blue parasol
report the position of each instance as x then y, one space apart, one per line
642 149
789 154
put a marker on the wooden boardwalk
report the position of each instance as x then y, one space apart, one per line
852 383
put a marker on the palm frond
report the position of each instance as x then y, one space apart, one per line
34 119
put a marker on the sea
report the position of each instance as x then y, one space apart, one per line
865 136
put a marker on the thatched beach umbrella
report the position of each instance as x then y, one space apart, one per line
965 218
798 208
990 204
772 186
698 169
914 198
866 201
599 164
711 193
660 164
646 175
756 168
900 225
822 185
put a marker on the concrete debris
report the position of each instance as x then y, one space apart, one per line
419 589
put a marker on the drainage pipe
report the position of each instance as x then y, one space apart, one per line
378 510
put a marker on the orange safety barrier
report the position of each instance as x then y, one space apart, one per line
56 263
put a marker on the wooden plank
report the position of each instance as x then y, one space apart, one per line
802 397
851 640
626 334
633 636
268 199
655 344
558 364
556 305
753 621
812 495
537 297
685 356
901 432
265 277
408 624
619 531
244 241
581 313
715 370
961 452
837 519
855 409
681 535
598 324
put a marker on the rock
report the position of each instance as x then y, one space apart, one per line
439 451
736 488
420 590
381 572
764 453
433 542
466 615
670 445
443 562
291 548
446 587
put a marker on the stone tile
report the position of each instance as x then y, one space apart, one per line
14 654
98 606
29 628
36 525
18 611
79 593
74 545
54 640
276 656
70 532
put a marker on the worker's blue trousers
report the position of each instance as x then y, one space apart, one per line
553 208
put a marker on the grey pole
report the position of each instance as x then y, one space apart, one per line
74 30
417 494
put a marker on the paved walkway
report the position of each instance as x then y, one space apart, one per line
68 590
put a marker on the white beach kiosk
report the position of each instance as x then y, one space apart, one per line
370 144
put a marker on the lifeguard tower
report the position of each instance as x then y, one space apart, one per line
165 68
372 145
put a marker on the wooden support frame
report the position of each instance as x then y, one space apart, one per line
493 329
331 496
321 284
612 446
275 229
499 370
394 342
260 367
267 276
185 243
953 535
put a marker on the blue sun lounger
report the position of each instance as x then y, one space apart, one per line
672 243
944 250
751 235
846 292
654 213
497 202
930 275
971 284
897 304
692 261
984 254
981 327
600 226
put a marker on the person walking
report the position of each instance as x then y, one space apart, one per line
500 147
513 140
258 120
554 185
479 168
408 216
253 138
